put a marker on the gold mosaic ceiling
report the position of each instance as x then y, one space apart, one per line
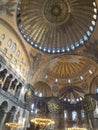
67 69
56 26
42 89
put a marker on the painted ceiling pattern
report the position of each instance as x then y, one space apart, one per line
8 7
55 26
68 69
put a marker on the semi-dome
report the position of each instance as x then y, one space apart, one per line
67 69
42 89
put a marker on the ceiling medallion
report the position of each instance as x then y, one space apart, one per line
56 26
56 11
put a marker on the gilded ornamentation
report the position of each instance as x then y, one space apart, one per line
89 104
56 26
7 7
54 106
56 11
36 59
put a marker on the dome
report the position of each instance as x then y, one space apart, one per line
56 26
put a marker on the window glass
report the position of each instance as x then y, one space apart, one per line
5 51
65 114
97 90
15 62
74 115
10 57
3 36
82 114
17 53
14 47
9 43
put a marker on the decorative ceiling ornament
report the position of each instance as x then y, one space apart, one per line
89 104
54 105
56 26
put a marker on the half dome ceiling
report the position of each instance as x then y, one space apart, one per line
68 69
55 26
42 89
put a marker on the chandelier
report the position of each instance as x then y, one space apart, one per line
14 125
77 129
42 122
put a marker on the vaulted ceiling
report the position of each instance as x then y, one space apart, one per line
57 41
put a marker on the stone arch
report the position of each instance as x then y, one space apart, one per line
18 89
7 82
13 85
2 76
94 85
10 114
3 108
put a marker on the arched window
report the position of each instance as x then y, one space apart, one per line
18 53
10 115
18 89
82 114
15 62
95 113
3 108
65 114
7 82
74 115
3 36
94 86
5 51
13 85
2 76
10 57
9 43
14 47
97 90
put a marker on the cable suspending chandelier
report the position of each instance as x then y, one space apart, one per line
56 26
